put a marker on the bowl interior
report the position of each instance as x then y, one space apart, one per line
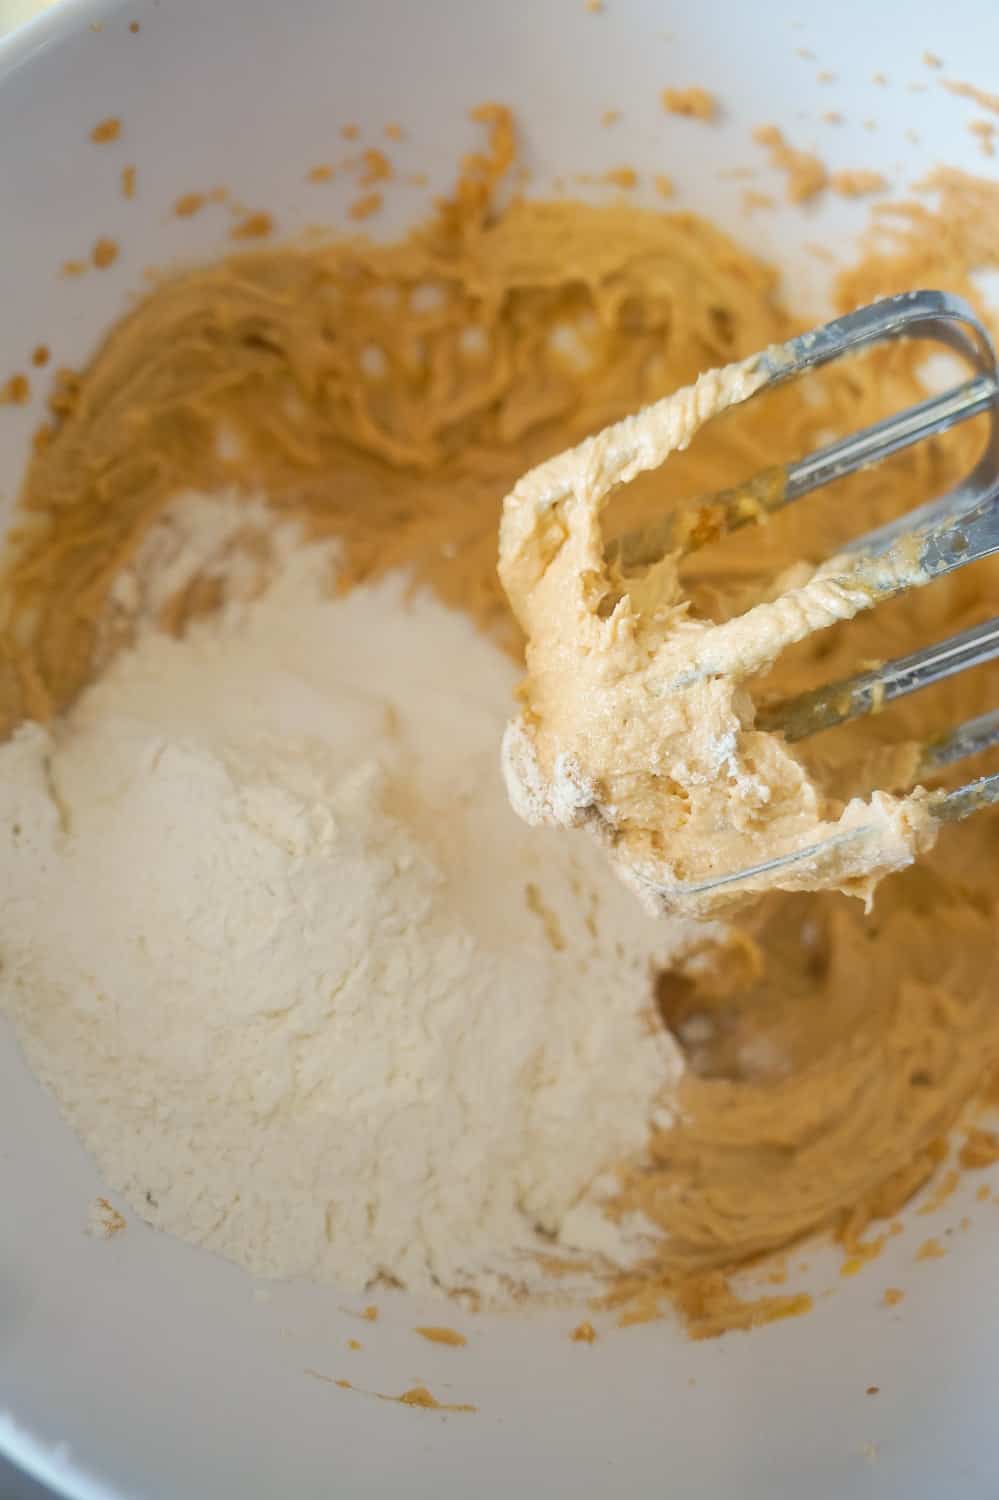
140 1366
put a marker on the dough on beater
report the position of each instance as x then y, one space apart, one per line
635 718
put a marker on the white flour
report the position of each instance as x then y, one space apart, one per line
309 991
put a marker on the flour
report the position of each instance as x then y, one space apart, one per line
308 990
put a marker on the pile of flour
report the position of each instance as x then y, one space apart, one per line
310 992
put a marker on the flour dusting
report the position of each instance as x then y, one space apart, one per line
310 992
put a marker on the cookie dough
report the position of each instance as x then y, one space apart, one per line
636 721
390 396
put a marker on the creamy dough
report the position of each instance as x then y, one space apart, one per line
636 721
828 1051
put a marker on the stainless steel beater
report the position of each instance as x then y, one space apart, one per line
958 528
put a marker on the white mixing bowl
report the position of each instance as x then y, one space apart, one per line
141 1367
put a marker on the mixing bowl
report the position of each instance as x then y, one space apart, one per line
139 1366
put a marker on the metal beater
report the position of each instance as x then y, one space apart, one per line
947 533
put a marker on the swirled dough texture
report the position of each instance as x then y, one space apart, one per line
828 1051
636 720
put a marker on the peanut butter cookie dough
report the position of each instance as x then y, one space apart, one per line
391 396
637 723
